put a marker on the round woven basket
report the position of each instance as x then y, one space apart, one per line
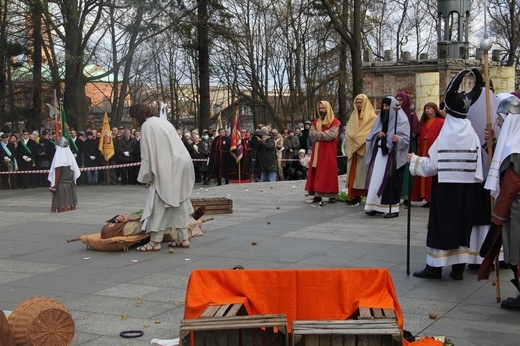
41 321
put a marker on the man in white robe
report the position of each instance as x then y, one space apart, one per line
167 169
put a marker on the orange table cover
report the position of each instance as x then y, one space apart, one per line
300 294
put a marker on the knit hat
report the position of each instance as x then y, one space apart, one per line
457 104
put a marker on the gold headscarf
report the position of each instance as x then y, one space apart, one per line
329 117
359 126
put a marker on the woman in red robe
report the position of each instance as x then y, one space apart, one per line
431 123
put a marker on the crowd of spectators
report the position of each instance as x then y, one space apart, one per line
210 151
34 151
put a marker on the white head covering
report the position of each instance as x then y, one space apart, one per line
63 158
508 143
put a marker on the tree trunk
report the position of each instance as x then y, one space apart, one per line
74 98
342 83
37 69
204 72
3 60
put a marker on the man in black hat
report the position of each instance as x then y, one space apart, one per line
455 163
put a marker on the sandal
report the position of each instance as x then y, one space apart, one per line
180 244
149 247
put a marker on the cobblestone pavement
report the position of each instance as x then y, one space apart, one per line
108 292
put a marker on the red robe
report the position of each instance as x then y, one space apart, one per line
323 179
422 187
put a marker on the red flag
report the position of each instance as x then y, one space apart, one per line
236 142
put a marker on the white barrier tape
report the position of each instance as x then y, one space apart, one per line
99 168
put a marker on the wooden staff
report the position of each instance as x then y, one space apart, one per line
485 45
410 187
394 151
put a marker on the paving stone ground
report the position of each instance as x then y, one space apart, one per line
149 288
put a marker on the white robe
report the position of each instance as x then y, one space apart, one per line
456 158
166 165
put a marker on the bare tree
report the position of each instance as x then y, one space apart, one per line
505 22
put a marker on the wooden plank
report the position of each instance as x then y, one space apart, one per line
378 313
214 206
325 339
311 340
247 337
336 340
234 322
210 311
235 309
353 332
219 212
349 340
365 313
257 334
233 337
390 313
222 310
198 338
210 338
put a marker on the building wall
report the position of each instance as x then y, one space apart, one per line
426 80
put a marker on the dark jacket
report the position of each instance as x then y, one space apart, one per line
267 155
126 145
29 150
90 148
77 148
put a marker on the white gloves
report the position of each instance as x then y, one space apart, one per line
92 157
6 159
75 155
26 158
126 153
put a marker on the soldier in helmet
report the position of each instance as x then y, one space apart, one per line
503 181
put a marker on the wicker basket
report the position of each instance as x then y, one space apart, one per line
41 321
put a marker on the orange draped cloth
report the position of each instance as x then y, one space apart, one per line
300 294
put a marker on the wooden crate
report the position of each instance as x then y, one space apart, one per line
262 330
375 332
214 206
